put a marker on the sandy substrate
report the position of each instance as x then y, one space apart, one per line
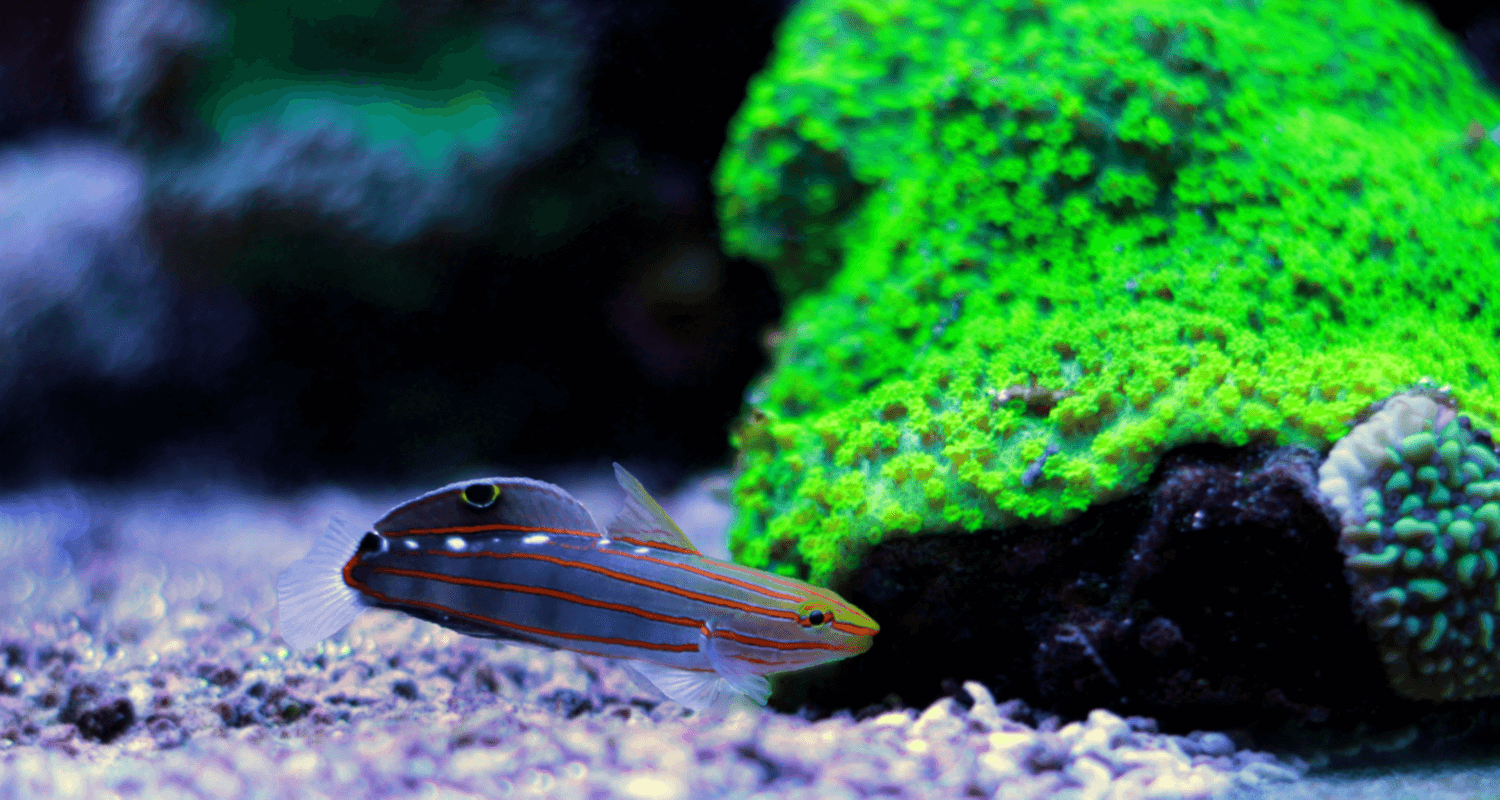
139 656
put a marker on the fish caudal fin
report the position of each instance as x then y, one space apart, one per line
312 600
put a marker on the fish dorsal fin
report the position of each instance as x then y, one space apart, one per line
642 521
490 504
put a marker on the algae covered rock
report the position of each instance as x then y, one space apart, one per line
1033 246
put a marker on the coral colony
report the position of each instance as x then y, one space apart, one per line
1029 248
1416 487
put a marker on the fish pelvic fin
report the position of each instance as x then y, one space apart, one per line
703 690
742 681
312 600
700 691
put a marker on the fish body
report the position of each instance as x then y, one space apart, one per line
522 560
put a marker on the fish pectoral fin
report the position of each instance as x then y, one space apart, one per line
700 691
642 521
312 600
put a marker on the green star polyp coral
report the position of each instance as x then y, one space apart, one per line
1418 489
1031 246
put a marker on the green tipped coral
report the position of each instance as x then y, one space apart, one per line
1418 490
1032 246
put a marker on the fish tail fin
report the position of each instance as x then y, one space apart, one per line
312 600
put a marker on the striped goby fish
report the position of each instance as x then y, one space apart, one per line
519 559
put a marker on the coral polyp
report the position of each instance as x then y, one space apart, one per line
1417 488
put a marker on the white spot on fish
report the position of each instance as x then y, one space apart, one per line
536 538
411 544
604 543
455 543
643 549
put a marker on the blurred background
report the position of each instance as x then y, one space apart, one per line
379 241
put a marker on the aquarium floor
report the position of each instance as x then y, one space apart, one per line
139 658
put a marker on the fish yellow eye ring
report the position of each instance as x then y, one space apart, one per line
480 495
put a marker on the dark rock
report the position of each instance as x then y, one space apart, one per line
219 675
968 607
1213 598
19 730
516 675
770 768
569 703
292 709
261 704
454 667
235 714
405 689
81 697
166 730
484 679
107 721
54 655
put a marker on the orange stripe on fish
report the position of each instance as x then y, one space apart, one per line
500 623
628 578
538 590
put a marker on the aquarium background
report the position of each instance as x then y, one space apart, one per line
283 244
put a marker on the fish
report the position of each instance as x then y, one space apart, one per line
522 560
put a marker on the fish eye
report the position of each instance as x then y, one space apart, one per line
371 543
817 617
480 495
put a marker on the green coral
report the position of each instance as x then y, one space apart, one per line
1105 228
1418 489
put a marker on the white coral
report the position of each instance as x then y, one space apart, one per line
1345 476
